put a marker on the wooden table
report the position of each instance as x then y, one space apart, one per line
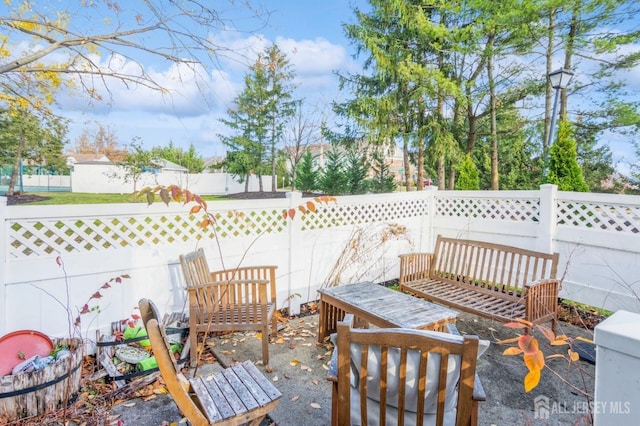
375 304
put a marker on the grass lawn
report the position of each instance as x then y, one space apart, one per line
50 198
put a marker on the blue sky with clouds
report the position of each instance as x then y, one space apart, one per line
310 33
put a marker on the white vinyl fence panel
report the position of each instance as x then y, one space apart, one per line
355 238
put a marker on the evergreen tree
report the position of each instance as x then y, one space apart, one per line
306 174
596 161
356 170
383 179
189 159
27 138
259 114
333 178
467 175
564 169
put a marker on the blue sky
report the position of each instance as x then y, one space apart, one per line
309 33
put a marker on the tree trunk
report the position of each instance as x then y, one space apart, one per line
406 163
548 89
441 176
17 164
568 54
493 114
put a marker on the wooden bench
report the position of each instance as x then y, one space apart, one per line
492 280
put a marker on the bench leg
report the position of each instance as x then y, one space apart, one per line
265 344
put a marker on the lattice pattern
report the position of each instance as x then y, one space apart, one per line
520 210
334 215
608 217
49 237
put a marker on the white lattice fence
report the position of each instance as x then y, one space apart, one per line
339 214
515 209
623 218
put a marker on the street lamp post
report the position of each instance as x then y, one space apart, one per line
559 80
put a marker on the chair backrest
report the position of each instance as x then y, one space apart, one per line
250 273
398 376
195 268
177 384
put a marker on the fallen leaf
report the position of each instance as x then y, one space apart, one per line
274 379
315 382
315 405
280 340
268 369
130 404
294 362
295 398
286 376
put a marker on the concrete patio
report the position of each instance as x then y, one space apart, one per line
298 369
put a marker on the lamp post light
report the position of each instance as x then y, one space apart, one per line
559 80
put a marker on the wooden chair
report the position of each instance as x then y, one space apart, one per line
237 395
404 376
238 299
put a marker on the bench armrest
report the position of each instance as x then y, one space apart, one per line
542 299
414 266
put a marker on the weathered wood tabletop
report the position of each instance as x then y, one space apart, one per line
380 306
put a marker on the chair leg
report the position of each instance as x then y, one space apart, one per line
256 422
193 350
274 325
265 344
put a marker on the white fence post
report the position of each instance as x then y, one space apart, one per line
617 386
295 199
548 225
3 265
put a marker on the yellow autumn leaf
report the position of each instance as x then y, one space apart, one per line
531 380
534 361
558 342
512 351
294 362
582 339
507 341
280 340
573 355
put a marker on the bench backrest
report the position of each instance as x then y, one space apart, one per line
493 268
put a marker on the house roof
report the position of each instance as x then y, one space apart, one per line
167 165
83 158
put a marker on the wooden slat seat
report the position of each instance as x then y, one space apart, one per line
236 395
492 280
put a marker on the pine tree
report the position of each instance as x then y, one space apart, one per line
306 174
467 175
564 169
356 170
383 179
333 179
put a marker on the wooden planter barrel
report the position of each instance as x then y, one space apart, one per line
37 392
